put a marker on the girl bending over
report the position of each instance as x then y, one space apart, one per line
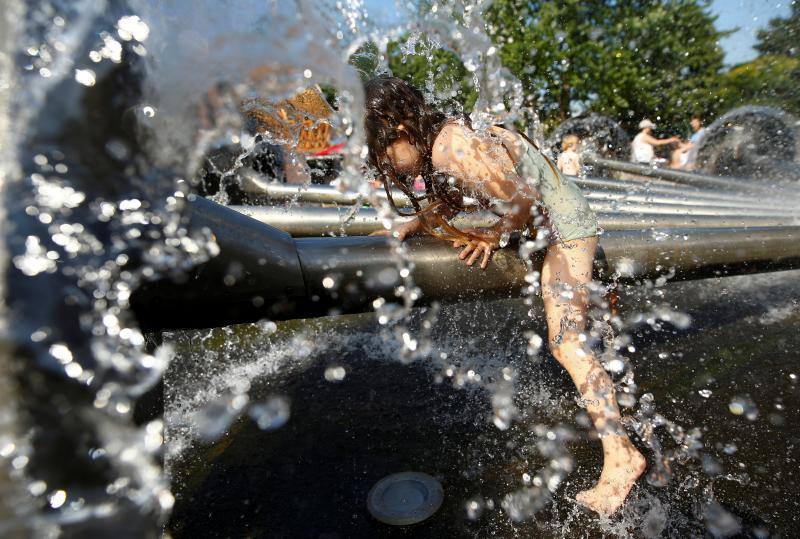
408 139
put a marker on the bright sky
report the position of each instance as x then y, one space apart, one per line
747 15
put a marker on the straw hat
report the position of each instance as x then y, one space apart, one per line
644 124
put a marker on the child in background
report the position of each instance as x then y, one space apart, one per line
569 162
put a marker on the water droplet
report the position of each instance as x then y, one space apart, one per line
214 418
743 406
271 414
335 373
37 488
736 407
626 400
132 27
57 499
615 366
705 393
268 327
474 508
85 77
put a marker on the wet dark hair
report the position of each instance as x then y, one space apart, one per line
391 101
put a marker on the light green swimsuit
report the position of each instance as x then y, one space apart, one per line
565 207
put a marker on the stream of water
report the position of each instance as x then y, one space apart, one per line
107 109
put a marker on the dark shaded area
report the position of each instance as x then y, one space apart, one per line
311 478
599 134
755 142
93 132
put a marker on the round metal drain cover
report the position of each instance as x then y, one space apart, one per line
405 498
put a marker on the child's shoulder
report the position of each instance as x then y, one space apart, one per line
454 130
452 138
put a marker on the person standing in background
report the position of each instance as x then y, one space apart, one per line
698 131
642 150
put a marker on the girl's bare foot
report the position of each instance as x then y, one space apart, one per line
622 466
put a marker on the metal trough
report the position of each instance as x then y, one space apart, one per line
262 272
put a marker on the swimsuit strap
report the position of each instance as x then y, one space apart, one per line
529 141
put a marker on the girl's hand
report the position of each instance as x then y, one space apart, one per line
478 242
404 230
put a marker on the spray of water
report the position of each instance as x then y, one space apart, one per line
114 106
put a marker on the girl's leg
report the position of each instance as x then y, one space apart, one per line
566 272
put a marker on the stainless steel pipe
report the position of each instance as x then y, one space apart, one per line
686 200
682 209
776 198
677 176
319 221
253 182
262 272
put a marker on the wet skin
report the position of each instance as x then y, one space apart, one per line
484 166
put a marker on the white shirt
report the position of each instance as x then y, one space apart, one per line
642 152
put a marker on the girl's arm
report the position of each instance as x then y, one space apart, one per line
403 230
482 164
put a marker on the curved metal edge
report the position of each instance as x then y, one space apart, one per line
257 274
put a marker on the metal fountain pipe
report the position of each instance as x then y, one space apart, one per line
330 195
321 221
318 221
677 176
254 259
656 207
254 182
263 273
646 198
645 186
685 194
655 223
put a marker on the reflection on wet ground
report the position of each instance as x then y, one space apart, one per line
733 374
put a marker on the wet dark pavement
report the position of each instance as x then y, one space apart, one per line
310 478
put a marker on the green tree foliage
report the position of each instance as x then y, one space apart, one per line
436 71
366 60
767 80
628 60
782 36
774 77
